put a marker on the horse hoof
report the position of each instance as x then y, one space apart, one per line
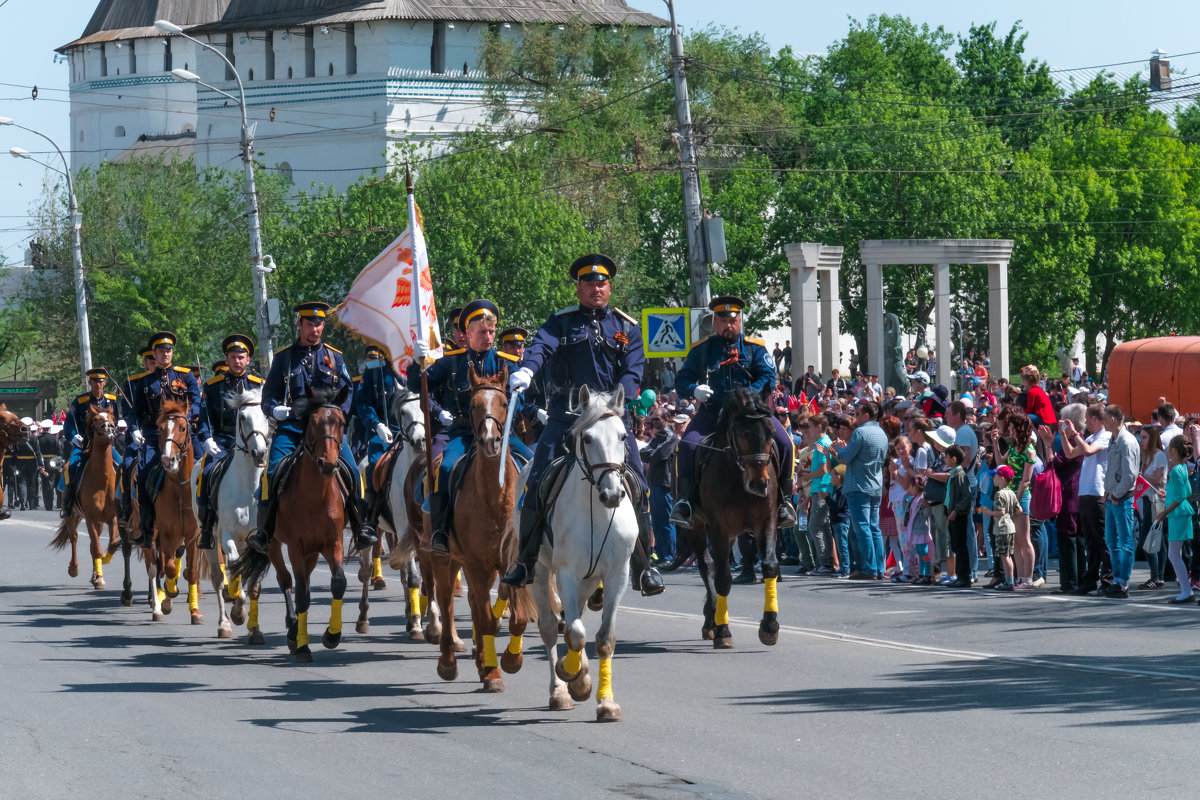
459 646
768 638
72 570
291 642
330 640
581 687
416 635
224 631
197 618
706 633
447 672
493 685
595 601
255 636
723 643
166 604
237 614
157 616
377 584
98 583
511 663
362 626
303 655
608 711
560 701
127 598
768 630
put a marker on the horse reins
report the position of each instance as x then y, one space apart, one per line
486 417
310 447
589 475
244 447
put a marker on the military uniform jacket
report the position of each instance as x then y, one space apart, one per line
222 417
27 454
449 380
50 446
724 366
147 391
597 348
76 422
373 398
297 370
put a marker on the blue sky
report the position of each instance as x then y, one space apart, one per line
1059 33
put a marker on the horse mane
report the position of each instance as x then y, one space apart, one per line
742 405
403 393
597 406
169 408
243 397
321 396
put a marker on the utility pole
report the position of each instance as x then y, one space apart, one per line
689 172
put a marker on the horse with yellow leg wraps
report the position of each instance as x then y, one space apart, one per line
95 498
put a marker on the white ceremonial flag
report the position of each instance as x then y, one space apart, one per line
384 305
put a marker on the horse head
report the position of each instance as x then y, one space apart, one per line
11 428
406 407
174 435
101 426
252 428
746 426
489 408
600 442
324 426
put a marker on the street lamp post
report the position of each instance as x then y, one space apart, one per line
81 312
258 273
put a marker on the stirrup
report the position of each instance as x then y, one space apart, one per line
681 514
439 543
365 539
259 541
518 576
651 583
785 515
206 539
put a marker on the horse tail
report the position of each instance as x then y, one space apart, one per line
66 531
523 599
250 566
203 567
404 550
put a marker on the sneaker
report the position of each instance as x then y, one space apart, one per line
839 575
1023 587
1039 583
1117 592
1152 584
1006 587
901 578
822 571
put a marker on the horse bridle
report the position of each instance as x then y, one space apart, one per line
406 434
499 422
310 447
180 445
589 469
741 459
244 447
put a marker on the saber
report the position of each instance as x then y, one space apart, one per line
508 420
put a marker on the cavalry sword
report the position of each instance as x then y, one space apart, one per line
508 421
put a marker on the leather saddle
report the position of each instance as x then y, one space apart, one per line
283 474
212 486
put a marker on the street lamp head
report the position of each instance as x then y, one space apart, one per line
184 75
166 26
19 152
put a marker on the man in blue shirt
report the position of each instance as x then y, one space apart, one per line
864 456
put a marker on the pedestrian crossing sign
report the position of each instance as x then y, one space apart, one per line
665 332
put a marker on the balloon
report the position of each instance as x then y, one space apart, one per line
646 399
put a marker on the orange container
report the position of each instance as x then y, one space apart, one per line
1143 370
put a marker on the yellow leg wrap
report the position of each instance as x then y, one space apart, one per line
235 588
107 558
498 607
302 630
414 600
514 644
161 596
377 571
772 601
721 617
424 604
193 597
335 617
172 586
604 688
489 650
96 566
573 661
252 617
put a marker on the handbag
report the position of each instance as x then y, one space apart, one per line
1045 500
1154 538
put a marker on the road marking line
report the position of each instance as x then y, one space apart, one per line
963 655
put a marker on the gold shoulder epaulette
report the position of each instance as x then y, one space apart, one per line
357 379
254 379
570 310
181 369
509 356
215 379
625 316
112 397
758 342
83 398
334 349
139 376
459 351
280 350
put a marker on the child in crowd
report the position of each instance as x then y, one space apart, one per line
920 539
958 508
986 488
891 522
839 520
1178 513
1004 502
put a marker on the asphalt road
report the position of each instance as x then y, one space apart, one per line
872 691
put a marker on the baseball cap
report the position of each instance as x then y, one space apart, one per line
942 436
1005 471
920 375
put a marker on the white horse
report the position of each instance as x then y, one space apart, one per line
236 506
595 528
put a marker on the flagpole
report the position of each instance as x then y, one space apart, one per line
420 331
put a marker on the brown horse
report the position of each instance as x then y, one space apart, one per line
175 524
310 519
484 543
738 493
96 498
12 431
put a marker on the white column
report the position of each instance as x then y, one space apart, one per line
831 321
803 259
874 289
941 319
998 318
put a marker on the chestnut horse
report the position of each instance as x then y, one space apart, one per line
483 544
175 524
310 520
96 498
12 431
738 493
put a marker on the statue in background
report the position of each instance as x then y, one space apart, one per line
894 374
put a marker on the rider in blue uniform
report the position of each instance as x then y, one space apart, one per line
147 392
75 433
450 404
373 397
296 371
130 456
712 370
593 345
230 378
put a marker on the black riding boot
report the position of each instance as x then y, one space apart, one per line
260 538
68 503
144 535
681 512
785 513
207 523
646 578
439 539
530 547
364 535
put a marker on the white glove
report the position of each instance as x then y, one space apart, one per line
420 350
519 380
542 416
138 439
384 433
702 392
210 444
281 412
446 418
77 441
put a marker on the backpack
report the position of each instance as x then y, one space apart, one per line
1045 500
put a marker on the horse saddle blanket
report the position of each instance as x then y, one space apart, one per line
381 473
287 466
154 479
555 476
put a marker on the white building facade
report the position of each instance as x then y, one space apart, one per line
331 92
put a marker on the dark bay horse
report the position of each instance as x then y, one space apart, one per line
738 493
12 431
96 498
310 521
